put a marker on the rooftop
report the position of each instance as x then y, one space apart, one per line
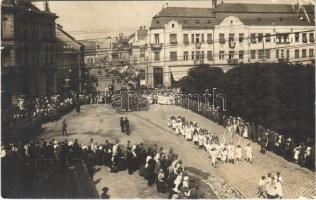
249 14
259 8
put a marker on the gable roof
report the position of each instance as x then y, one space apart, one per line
196 18
186 12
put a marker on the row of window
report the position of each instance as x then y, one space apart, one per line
195 38
254 54
254 38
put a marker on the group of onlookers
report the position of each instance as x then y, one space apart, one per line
301 151
219 150
159 167
271 186
24 118
302 154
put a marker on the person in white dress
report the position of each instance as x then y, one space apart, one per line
245 133
279 190
231 153
248 150
238 154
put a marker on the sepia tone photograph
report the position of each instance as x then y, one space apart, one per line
203 99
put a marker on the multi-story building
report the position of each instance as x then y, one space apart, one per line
69 57
180 38
248 33
90 55
226 35
28 50
139 54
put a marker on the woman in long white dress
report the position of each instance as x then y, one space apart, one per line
245 133
231 153
248 150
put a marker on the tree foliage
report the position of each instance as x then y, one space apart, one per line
279 96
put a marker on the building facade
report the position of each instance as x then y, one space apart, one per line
69 61
139 54
28 50
226 35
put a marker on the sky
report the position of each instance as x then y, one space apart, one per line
100 19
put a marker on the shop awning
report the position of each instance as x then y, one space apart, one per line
180 72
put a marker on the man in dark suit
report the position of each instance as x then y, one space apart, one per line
126 124
122 125
64 129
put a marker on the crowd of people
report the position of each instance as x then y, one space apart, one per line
271 186
302 154
219 151
25 117
159 167
298 150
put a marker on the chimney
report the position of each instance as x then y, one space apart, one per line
46 6
214 3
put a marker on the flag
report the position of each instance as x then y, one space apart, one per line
306 15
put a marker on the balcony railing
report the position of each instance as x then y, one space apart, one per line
198 45
232 61
156 46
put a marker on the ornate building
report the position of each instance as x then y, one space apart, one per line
225 35
28 50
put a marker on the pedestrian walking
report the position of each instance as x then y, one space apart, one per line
126 125
64 129
122 125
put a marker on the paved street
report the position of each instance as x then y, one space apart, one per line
151 127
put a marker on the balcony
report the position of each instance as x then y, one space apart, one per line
198 45
232 61
156 46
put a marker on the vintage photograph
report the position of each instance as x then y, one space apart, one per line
205 99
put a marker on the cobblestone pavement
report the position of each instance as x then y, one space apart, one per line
151 127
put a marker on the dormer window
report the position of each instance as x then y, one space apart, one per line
231 22
197 21
172 25
157 21
185 21
208 21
